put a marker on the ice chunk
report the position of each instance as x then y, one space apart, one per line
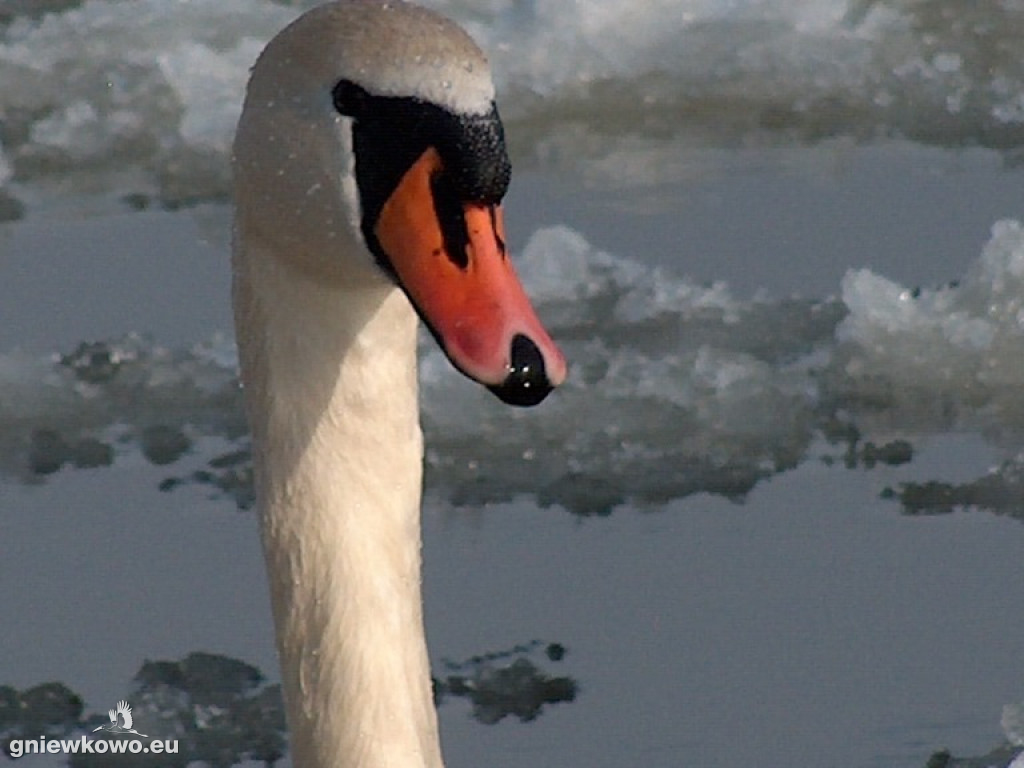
1013 724
208 83
559 265
152 87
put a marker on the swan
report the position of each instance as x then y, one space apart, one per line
369 164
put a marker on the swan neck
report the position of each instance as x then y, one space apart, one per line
330 385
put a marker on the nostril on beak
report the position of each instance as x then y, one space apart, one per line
527 382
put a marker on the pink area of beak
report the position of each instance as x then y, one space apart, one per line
473 302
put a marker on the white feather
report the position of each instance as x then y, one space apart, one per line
125 712
327 350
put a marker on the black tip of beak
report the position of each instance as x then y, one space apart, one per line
527 382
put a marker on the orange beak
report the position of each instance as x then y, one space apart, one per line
449 257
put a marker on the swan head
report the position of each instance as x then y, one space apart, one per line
370 152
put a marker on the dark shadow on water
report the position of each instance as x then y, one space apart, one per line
507 683
105 398
1000 492
1000 757
222 712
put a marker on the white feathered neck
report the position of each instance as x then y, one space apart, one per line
327 352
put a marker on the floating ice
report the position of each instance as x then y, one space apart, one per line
150 85
141 96
674 388
1013 724
562 268
963 341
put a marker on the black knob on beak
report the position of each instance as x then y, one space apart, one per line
527 381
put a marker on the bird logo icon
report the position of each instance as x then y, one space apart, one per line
120 720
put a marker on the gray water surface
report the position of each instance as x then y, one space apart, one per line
808 624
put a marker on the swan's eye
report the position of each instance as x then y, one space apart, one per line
350 99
